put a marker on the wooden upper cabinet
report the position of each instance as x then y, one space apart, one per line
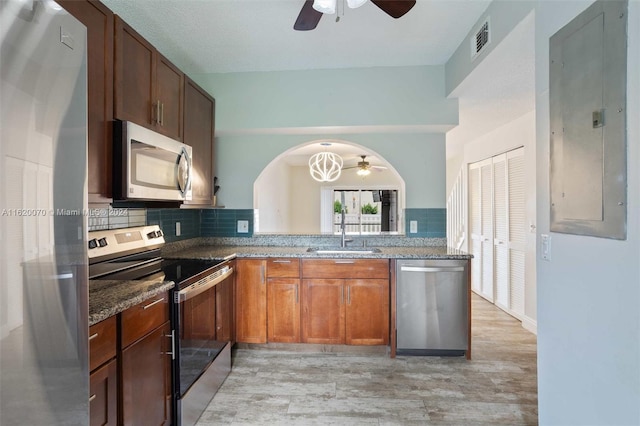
148 89
199 119
99 22
251 301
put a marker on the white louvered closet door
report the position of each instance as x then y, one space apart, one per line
517 230
475 227
486 201
500 231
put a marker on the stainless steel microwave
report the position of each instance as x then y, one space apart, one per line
149 166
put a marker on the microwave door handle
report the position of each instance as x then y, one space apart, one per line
184 172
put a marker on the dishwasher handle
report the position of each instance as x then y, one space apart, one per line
432 268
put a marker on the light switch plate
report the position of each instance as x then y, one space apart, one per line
243 226
413 227
545 246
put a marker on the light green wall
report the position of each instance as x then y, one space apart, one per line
380 96
399 112
418 158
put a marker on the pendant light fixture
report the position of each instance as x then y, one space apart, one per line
329 6
325 166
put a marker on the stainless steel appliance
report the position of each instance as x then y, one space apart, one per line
201 312
432 307
149 166
44 377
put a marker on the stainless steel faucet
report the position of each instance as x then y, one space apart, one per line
343 240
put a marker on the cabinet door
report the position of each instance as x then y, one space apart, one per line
367 312
323 317
99 22
134 74
251 301
146 379
103 391
283 310
169 93
199 110
225 325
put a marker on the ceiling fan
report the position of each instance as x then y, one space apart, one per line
309 17
364 167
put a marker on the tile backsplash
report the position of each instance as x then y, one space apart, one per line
193 222
431 223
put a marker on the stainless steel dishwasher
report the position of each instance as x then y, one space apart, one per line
432 307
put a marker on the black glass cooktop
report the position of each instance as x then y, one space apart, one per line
180 270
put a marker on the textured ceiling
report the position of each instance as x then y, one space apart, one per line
213 36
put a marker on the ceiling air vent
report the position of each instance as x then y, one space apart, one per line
480 39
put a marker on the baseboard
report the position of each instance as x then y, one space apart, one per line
530 325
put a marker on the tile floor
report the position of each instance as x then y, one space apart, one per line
292 387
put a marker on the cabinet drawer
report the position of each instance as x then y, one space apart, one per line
102 342
283 268
345 268
143 318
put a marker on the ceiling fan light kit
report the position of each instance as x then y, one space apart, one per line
329 6
325 166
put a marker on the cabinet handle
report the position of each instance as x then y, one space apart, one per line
158 112
348 295
173 345
346 262
152 303
262 274
162 114
281 261
297 301
92 397
93 336
342 296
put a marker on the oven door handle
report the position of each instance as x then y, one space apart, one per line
204 284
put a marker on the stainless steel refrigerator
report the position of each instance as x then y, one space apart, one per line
44 377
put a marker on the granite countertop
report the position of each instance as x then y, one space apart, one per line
222 252
110 297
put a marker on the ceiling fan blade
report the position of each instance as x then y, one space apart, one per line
308 18
394 8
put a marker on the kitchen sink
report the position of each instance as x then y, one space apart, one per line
343 250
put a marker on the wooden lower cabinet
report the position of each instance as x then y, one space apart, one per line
283 310
103 391
323 313
251 301
146 379
345 301
367 312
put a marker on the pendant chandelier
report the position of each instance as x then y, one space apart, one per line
329 6
325 166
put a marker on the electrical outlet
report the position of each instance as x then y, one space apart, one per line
243 226
413 227
178 230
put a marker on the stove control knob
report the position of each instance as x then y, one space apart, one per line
93 243
159 233
151 235
102 242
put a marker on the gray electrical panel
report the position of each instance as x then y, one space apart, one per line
587 95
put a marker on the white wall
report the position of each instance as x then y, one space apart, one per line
272 189
589 292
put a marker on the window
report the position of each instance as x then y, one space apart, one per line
367 211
